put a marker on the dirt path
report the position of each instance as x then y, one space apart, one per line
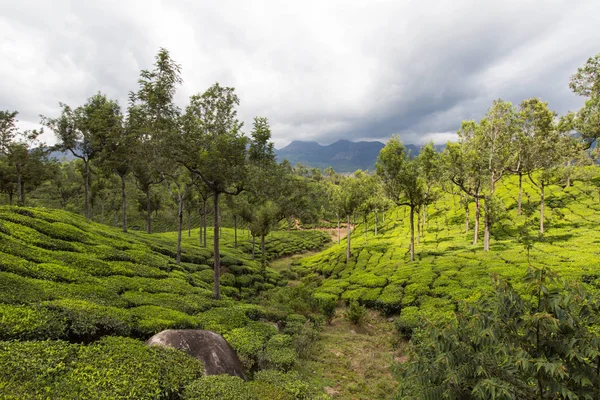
354 362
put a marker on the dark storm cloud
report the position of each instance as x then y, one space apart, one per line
318 70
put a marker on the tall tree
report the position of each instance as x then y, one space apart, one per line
494 142
399 173
152 119
350 197
84 131
545 146
117 157
216 151
466 168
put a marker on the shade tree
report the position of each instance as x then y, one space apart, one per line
401 178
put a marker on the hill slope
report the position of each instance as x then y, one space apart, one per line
449 268
63 277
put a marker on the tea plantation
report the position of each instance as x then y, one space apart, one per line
448 268
78 299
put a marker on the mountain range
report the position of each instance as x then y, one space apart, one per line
342 156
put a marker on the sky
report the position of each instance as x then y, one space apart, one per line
318 70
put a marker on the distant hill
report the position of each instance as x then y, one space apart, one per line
343 155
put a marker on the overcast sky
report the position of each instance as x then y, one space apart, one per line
319 70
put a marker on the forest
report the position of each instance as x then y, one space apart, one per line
467 273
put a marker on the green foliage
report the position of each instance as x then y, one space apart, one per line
355 313
511 346
219 387
113 368
278 353
30 323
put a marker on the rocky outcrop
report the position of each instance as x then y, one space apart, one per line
210 347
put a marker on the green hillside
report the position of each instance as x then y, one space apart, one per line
448 268
92 293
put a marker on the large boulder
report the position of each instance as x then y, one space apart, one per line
210 347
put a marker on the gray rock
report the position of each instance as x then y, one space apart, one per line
209 347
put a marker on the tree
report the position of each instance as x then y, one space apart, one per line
586 82
399 173
466 168
84 131
545 146
215 151
429 167
152 120
494 143
8 129
117 157
179 182
263 221
350 196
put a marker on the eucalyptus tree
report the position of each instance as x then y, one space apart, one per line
545 146
401 178
152 120
215 151
494 143
117 157
430 170
351 196
26 157
466 168
84 131
179 182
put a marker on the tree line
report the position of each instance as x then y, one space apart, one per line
200 159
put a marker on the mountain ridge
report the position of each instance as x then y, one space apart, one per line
343 155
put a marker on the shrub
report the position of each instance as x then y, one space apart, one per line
511 346
278 353
30 323
86 321
113 368
290 383
355 313
219 387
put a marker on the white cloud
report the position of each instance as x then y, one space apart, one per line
318 70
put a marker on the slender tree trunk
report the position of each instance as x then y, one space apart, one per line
568 173
412 233
253 245
124 202
10 197
217 254
486 226
204 222
263 261
542 203
520 200
366 226
383 217
235 231
348 244
466 216
339 233
376 221
179 227
20 201
189 223
477 215
418 228
87 188
200 231
148 211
